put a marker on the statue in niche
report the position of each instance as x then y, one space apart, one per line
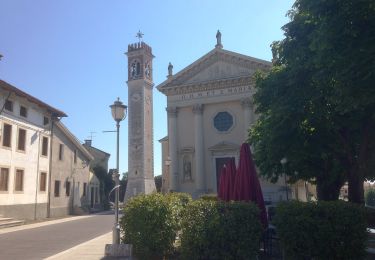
187 168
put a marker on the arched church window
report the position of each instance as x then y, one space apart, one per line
223 121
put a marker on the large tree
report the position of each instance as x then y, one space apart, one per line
317 105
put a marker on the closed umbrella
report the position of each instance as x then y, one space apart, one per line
222 183
230 176
247 186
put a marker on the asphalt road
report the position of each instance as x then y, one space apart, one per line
42 242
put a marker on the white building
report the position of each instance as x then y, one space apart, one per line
70 178
25 140
210 109
37 179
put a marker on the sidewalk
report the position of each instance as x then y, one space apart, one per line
92 249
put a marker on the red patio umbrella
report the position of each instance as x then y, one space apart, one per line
231 175
247 186
222 183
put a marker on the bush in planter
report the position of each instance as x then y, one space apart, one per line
149 225
322 230
220 230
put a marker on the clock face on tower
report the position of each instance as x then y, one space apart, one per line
136 97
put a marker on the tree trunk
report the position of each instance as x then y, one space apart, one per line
327 190
355 186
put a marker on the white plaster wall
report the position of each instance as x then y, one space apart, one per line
213 137
30 161
66 170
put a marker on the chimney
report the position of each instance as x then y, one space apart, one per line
88 142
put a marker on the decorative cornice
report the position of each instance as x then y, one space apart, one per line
209 85
172 111
198 109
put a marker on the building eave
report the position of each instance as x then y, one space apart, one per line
54 112
74 140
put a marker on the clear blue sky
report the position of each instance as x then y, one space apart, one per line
70 53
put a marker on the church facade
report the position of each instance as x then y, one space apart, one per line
210 109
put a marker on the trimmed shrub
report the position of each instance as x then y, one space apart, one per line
220 230
370 217
322 230
149 225
210 197
177 202
370 197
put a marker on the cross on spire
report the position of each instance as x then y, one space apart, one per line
139 35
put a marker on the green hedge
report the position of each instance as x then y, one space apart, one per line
370 197
322 230
220 230
150 223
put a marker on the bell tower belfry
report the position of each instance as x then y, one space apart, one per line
140 116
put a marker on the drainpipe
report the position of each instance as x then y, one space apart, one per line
53 119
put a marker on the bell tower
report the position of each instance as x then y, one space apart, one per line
140 116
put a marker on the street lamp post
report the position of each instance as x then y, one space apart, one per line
118 110
283 161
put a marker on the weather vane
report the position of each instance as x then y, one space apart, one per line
139 35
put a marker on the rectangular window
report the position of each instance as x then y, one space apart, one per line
57 188
4 177
43 182
18 185
7 135
9 105
21 146
84 189
45 146
67 188
61 152
75 156
45 120
23 111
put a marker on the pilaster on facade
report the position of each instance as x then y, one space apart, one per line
172 111
198 109
173 146
199 147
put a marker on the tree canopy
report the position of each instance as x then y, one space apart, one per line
317 104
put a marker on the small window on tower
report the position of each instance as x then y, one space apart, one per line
138 68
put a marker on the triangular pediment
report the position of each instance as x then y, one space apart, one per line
216 65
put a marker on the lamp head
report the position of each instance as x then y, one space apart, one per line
118 110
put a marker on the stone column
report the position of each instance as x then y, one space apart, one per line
199 148
247 106
172 136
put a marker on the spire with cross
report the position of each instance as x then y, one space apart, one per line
139 36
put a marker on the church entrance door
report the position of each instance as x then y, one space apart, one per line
219 164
